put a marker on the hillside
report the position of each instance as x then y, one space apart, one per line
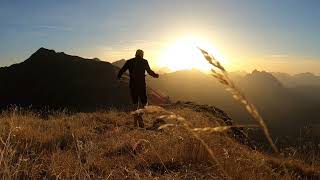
104 145
61 81
52 80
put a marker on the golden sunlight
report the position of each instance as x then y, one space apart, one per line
184 54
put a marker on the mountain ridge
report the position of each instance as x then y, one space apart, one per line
57 80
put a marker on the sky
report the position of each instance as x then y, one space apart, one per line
267 35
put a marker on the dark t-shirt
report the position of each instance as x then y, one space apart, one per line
137 67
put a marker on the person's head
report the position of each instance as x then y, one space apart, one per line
139 53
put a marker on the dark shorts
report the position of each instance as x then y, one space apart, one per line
139 93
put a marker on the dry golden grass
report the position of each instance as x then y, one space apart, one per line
104 145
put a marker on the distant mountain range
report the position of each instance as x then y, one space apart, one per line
302 79
57 80
285 109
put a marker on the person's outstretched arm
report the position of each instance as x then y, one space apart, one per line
123 69
150 72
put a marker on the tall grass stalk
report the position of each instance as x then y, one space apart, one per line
221 74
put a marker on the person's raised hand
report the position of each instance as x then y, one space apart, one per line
156 76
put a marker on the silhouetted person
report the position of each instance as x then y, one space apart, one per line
137 67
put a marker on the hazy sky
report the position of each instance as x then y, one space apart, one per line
278 35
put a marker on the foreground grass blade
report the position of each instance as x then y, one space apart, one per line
222 76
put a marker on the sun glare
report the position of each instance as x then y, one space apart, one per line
184 54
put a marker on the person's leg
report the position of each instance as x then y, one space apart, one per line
143 96
135 116
143 99
135 98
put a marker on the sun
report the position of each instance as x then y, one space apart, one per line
184 54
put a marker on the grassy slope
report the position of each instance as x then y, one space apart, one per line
105 145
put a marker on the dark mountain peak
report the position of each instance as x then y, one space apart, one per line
44 55
263 78
44 51
261 74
